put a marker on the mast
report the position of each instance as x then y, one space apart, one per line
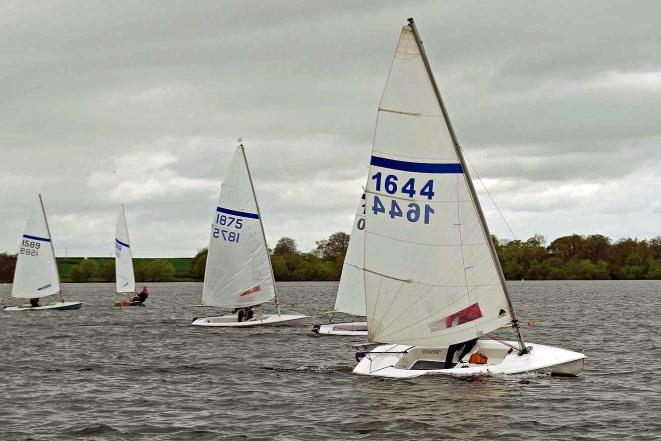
483 222
52 248
261 225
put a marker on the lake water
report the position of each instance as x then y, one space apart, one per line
145 374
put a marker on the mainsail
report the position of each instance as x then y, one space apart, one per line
124 275
431 277
36 272
351 292
238 270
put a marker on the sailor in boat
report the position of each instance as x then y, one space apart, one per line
140 297
35 302
245 314
464 316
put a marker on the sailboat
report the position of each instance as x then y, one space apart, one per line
351 292
238 271
36 273
124 274
433 282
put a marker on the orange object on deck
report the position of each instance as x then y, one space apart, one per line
478 358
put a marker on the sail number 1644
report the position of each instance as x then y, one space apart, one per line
413 212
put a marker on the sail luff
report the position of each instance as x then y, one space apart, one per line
52 248
476 201
261 224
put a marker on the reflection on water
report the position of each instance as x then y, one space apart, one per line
144 373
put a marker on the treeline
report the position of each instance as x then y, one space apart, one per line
102 269
575 257
151 270
593 257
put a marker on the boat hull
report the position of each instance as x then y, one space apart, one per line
230 321
400 361
62 306
122 303
356 329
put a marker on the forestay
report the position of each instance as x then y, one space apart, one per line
238 271
36 272
351 292
124 274
430 277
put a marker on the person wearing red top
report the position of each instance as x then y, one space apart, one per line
140 297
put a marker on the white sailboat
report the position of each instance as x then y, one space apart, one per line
432 277
36 273
238 272
351 292
124 274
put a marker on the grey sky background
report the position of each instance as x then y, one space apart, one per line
556 103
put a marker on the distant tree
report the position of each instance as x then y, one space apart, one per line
78 274
285 246
83 272
280 270
566 247
199 263
654 269
335 247
7 266
156 270
89 266
595 247
655 247
107 271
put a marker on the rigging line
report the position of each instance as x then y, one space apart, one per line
378 294
379 328
420 297
477 175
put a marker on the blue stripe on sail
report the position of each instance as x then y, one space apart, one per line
122 243
43 239
237 213
418 167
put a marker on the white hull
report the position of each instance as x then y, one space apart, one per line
230 320
400 361
358 329
58 305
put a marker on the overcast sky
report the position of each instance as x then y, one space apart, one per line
557 104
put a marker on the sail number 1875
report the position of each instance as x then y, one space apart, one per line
230 222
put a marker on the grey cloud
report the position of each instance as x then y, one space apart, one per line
86 85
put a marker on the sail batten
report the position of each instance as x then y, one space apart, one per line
430 278
238 270
124 273
36 273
